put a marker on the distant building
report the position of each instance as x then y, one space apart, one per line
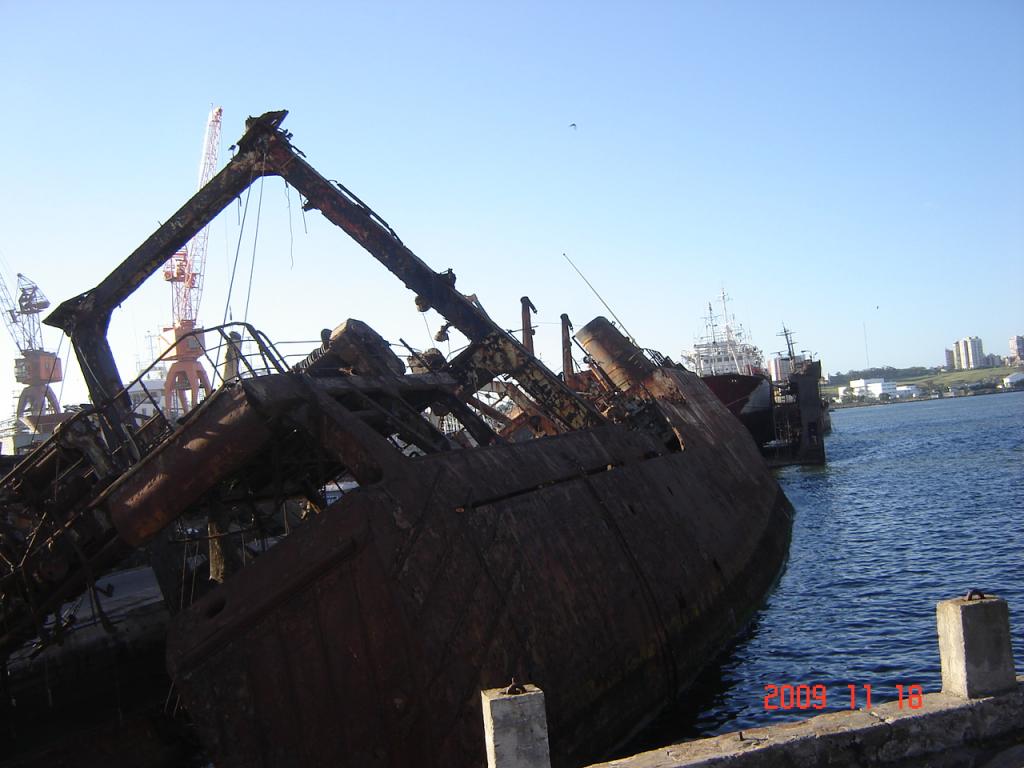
1013 380
872 388
950 360
147 393
1016 350
907 390
968 354
779 368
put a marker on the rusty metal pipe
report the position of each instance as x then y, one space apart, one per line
168 481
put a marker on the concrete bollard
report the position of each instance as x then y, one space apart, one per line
515 727
974 646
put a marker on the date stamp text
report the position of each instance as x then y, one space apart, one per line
816 696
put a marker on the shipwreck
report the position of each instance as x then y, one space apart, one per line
604 540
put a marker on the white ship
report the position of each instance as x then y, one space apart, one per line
724 348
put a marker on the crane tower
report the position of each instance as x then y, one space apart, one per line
186 378
38 412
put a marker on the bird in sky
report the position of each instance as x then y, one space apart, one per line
573 126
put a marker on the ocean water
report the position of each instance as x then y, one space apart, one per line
919 503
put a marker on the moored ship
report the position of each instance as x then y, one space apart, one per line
800 412
734 369
785 414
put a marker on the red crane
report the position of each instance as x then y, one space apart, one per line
38 411
187 378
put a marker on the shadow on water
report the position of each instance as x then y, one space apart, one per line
704 708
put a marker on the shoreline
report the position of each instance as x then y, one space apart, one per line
833 406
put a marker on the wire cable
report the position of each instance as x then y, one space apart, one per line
238 251
255 240
592 288
430 336
291 234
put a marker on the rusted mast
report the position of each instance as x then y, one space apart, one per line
527 325
492 350
567 373
265 150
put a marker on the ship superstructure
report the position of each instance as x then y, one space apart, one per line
724 348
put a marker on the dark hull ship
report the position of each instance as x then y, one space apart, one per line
749 398
604 544
801 419
788 420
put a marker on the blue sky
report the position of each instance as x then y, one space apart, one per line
849 169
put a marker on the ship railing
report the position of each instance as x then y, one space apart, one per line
239 351
657 357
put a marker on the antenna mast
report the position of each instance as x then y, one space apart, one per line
592 288
789 340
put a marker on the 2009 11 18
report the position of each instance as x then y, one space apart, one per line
805 696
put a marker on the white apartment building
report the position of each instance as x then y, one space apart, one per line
968 354
1017 348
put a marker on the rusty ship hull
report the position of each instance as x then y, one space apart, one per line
604 543
593 563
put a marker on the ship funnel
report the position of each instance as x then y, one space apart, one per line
623 361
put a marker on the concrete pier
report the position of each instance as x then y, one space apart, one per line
974 645
945 731
515 727
977 721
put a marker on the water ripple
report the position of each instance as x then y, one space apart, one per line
919 502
